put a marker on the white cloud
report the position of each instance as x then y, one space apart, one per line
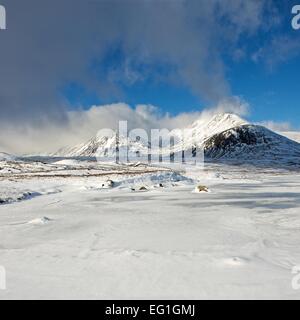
277 126
83 124
235 105
190 37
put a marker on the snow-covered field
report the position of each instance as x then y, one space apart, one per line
64 233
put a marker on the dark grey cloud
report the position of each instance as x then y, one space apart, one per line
49 43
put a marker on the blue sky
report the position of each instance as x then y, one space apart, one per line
265 74
181 56
271 94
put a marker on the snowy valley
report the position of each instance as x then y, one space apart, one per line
73 227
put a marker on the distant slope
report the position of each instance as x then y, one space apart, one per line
6 157
224 136
102 147
199 131
252 143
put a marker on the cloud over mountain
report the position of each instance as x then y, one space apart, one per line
49 44
81 125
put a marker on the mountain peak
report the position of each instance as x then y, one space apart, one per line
204 128
229 118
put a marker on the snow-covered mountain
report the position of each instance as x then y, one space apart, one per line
252 143
224 136
195 134
6 157
104 147
202 129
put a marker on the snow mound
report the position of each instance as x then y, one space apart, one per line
155 180
40 221
235 261
11 191
13 195
108 184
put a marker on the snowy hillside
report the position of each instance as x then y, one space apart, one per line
103 147
68 237
252 142
108 227
6 157
225 136
200 130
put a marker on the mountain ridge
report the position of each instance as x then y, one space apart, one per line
223 136
252 142
199 130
